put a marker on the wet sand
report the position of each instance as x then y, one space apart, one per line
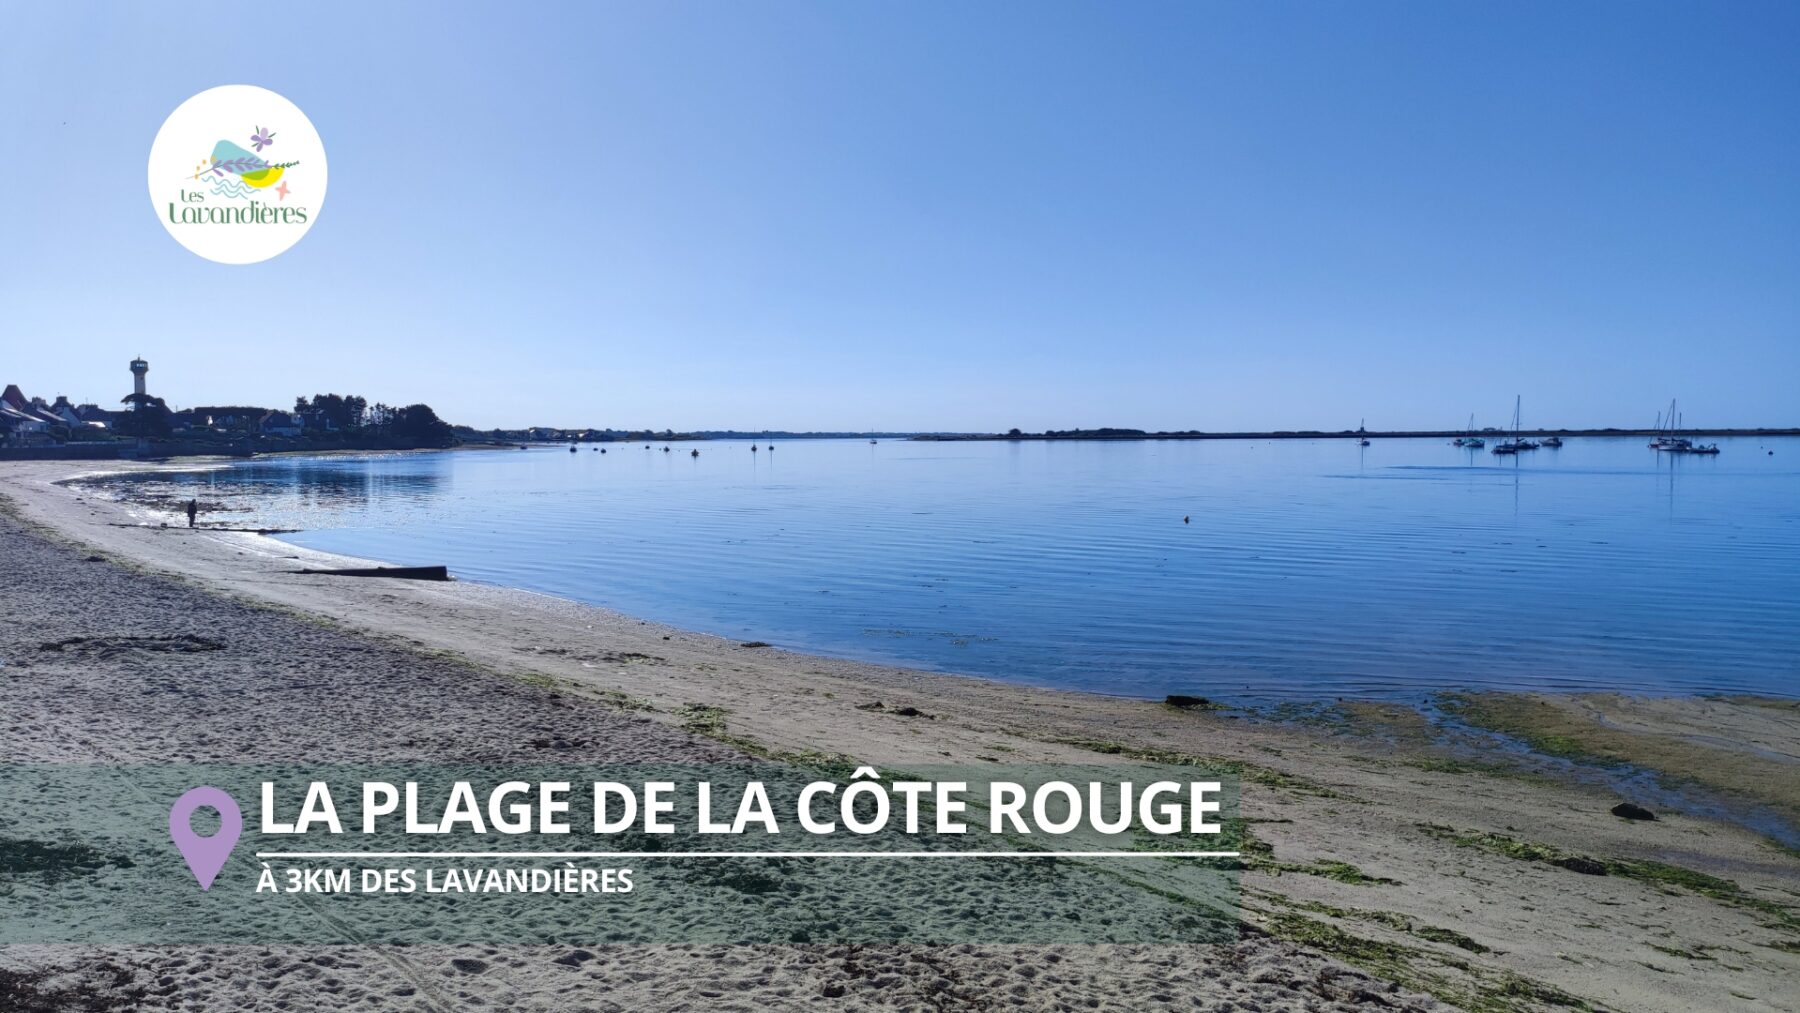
1377 856
1743 748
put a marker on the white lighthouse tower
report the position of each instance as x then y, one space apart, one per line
138 368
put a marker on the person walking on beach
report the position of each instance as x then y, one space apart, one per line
193 507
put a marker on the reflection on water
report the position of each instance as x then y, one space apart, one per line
1302 569
288 486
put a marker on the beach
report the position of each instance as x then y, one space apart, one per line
1385 869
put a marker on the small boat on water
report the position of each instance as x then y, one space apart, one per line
1667 442
1553 442
1516 444
1665 438
1469 439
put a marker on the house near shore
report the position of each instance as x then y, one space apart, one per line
61 408
245 419
282 424
74 416
317 420
32 421
23 422
35 409
228 418
94 416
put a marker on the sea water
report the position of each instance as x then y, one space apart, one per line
1235 569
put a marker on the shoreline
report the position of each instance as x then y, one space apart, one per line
1362 826
1462 715
91 452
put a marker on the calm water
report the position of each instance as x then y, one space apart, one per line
1310 568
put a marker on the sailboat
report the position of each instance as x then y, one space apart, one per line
1515 444
1361 426
1666 438
1469 439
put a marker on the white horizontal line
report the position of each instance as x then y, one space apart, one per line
747 854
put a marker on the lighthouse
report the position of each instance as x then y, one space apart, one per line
138 368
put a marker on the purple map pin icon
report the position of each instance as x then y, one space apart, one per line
205 855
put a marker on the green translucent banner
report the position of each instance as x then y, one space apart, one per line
766 852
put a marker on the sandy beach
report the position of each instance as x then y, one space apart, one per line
1391 865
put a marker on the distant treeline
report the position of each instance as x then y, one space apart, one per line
323 420
550 434
556 434
783 434
352 418
1310 434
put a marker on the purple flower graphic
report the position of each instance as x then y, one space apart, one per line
262 138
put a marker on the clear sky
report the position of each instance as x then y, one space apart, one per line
966 216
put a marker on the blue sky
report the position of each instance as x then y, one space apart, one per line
937 216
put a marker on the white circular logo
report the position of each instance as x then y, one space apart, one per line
237 174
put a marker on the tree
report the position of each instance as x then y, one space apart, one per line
150 417
420 425
343 412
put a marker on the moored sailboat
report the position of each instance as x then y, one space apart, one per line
1666 438
1469 439
1516 444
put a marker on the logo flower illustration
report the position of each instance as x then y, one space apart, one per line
235 172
